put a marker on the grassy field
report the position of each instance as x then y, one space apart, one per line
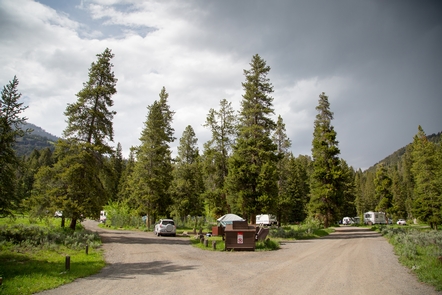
33 255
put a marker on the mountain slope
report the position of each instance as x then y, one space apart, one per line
38 139
395 157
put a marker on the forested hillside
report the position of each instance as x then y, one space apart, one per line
38 139
395 157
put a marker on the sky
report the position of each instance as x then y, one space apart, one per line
379 62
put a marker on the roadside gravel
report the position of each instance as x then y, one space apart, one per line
349 261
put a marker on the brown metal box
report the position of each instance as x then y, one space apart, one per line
240 236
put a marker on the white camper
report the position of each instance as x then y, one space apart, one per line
103 216
371 217
266 219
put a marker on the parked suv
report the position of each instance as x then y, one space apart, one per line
165 227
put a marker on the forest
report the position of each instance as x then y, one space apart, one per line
245 168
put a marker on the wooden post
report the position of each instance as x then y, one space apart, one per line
214 245
68 263
87 249
201 240
206 243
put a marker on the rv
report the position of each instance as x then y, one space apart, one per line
266 219
371 217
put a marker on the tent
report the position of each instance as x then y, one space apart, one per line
229 218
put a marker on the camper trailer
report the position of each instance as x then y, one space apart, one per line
371 217
266 219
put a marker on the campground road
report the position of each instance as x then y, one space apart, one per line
350 261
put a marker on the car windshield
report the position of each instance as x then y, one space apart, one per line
166 222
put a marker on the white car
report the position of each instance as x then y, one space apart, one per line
401 222
165 227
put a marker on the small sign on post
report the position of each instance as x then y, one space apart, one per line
240 238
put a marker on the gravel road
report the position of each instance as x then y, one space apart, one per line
349 261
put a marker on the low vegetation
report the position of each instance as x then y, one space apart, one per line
420 249
33 255
307 230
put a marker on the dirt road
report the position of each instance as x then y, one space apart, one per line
349 261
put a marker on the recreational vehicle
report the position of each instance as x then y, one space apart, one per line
371 217
266 219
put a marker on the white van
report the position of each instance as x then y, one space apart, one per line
371 217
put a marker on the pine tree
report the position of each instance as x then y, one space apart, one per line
188 183
10 128
222 124
89 119
426 169
326 179
152 175
283 143
348 190
383 193
76 184
297 190
252 178
398 201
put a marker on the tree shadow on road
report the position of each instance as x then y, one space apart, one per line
117 271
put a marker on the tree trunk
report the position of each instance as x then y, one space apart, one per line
73 223
63 221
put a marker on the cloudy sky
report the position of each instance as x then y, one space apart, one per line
378 61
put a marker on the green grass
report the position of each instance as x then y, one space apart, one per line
31 272
418 248
33 255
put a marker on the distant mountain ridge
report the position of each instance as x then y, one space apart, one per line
38 139
395 157
40 131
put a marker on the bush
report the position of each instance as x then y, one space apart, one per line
27 236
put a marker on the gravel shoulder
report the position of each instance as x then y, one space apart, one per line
349 261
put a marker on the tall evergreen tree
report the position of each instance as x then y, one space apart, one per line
426 168
398 201
252 178
124 186
383 193
326 179
152 175
359 192
348 190
222 124
188 184
10 128
75 183
283 144
115 170
296 190
90 119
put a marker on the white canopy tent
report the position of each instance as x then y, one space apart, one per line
229 218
